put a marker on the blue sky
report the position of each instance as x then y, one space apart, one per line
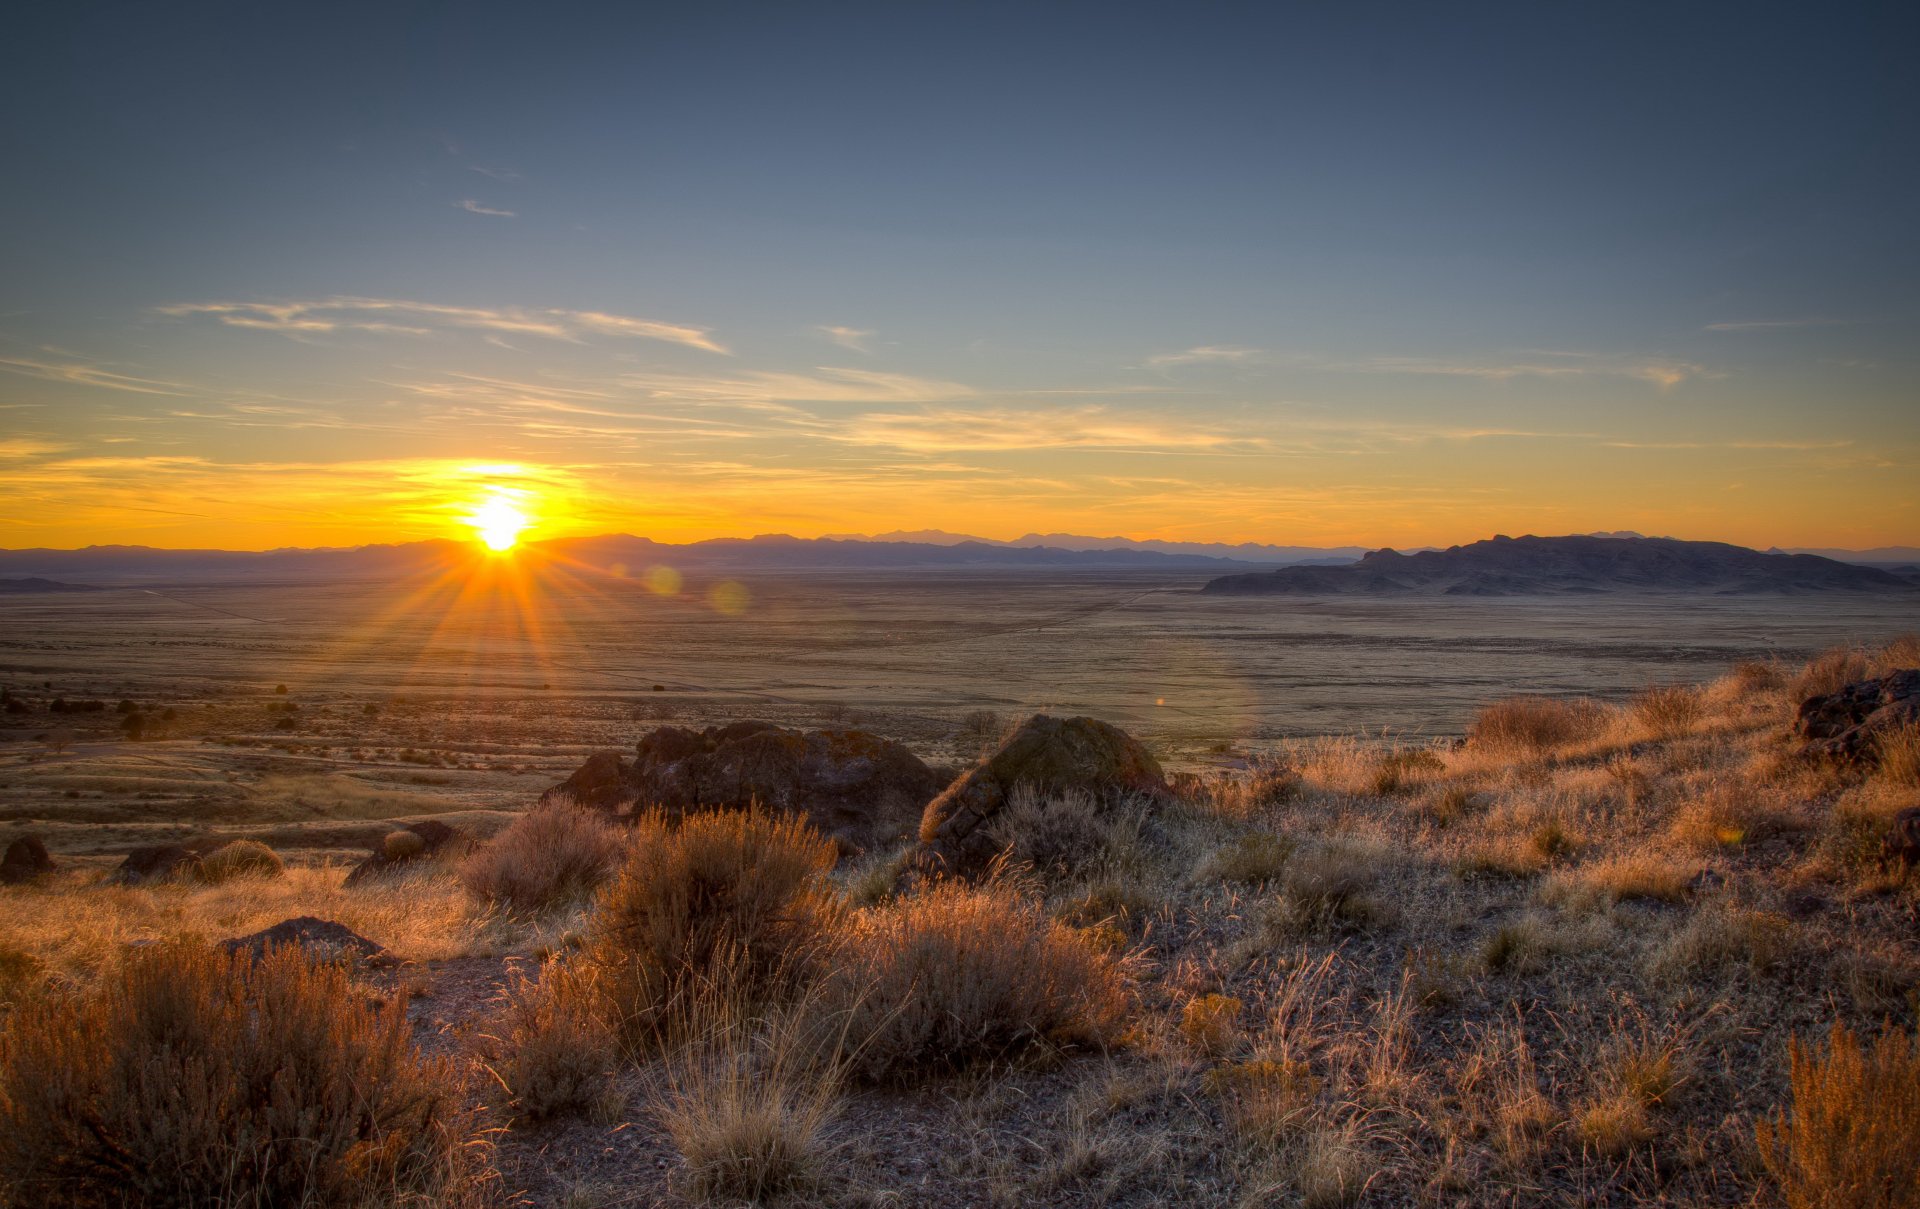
1369 273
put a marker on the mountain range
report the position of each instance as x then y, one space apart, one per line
1581 564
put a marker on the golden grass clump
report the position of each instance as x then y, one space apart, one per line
1211 1024
1626 875
1327 889
241 858
964 974
726 904
1721 938
198 1077
1530 723
1898 755
554 855
1254 859
1851 1139
1667 711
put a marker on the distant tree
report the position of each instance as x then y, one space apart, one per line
280 688
134 724
58 740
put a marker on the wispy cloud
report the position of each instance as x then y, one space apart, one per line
392 316
1545 363
854 338
499 174
951 429
15 448
1754 325
826 384
473 207
87 375
1207 354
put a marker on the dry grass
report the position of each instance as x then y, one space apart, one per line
727 903
76 927
556 1053
1534 724
959 975
1852 1136
193 1077
1628 875
1667 711
555 855
1898 752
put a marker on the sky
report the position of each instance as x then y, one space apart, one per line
1373 274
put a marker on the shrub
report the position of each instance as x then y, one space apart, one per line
1253 859
1266 782
1063 834
1406 769
1720 937
557 853
1852 1134
1631 875
402 845
1899 755
728 904
1667 710
1211 1023
1535 723
981 729
241 858
194 1077
959 975
558 1049
1326 890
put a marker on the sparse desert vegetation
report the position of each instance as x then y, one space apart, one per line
1614 954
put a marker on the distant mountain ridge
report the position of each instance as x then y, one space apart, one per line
1255 552
1529 566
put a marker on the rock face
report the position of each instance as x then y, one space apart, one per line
322 938
1843 725
855 786
25 860
1044 752
1901 847
438 842
159 862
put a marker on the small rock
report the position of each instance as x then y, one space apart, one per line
158 862
25 860
322 938
438 842
1846 725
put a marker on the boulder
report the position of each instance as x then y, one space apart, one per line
323 939
1844 725
1051 755
855 786
25 860
1900 848
602 783
438 842
158 862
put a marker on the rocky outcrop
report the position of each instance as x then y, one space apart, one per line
855 786
1049 754
322 939
437 842
1846 725
26 859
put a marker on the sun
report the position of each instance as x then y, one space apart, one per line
499 522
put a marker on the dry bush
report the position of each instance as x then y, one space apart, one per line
1254 858
1327 889
554 855
980 730
1720 938
1829 671
728 904
1724 816
196 1077
556 1056
1498 1077
1504 856
1851 834
1264 1099
1058 834
961 974
1266 782
1668 710
402 845
1613 1123
1851 1138
749 1107
241 858
1521 946
1451 805
1211 1023
1536 723
1405 769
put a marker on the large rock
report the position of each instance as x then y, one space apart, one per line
1845 725
858 787
25 860
438 842
1051 755
159 862
323 940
